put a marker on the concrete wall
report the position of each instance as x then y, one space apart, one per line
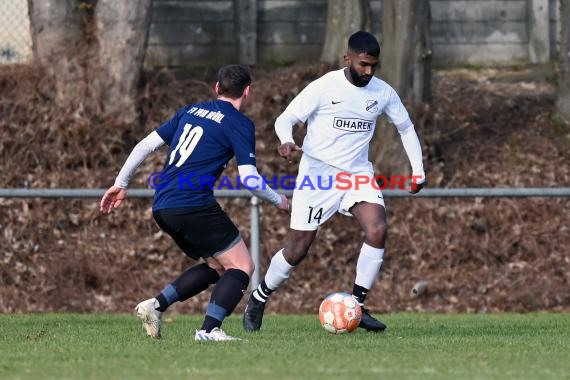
463 31
487 31
191 32
199 32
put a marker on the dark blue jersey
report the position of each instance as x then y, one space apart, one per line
203 137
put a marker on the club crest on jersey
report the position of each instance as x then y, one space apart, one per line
372 106
352 124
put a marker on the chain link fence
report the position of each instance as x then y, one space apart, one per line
15 36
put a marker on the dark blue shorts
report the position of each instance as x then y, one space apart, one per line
204 231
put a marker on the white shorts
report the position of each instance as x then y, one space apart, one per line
321 190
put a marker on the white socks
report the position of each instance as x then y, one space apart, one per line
278 272
368 265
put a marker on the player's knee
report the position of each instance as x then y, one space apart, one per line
249 269
295 254
245 265
376 234
237 257
297 247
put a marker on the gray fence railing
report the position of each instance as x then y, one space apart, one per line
536 192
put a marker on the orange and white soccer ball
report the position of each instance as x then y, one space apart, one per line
340 313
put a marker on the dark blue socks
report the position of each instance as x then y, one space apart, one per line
226 295
193 281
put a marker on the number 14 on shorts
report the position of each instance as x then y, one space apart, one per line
315 215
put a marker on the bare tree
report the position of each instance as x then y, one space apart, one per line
343 19
56 37
406 66
563 100
406 48
93 50
122 31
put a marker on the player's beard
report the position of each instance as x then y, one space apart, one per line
359 80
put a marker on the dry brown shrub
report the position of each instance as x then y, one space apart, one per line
478 255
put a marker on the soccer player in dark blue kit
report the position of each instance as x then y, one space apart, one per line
202 137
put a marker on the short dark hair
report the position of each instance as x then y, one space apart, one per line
364 42
233 79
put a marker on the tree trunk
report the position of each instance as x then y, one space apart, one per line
56 28
93 50
406 49
343 19
563 100
406 66
122 30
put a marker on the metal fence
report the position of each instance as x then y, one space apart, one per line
559 192
15 36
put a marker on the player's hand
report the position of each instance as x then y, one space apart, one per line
112 199
414 187
287 149
284 205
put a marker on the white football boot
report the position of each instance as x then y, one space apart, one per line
150 317
215 335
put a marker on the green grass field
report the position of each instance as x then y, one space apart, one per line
416 346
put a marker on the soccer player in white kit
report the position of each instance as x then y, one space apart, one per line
340 110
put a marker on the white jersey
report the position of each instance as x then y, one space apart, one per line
341 118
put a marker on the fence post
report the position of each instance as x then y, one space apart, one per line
254 242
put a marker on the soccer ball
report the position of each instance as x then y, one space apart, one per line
339 313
